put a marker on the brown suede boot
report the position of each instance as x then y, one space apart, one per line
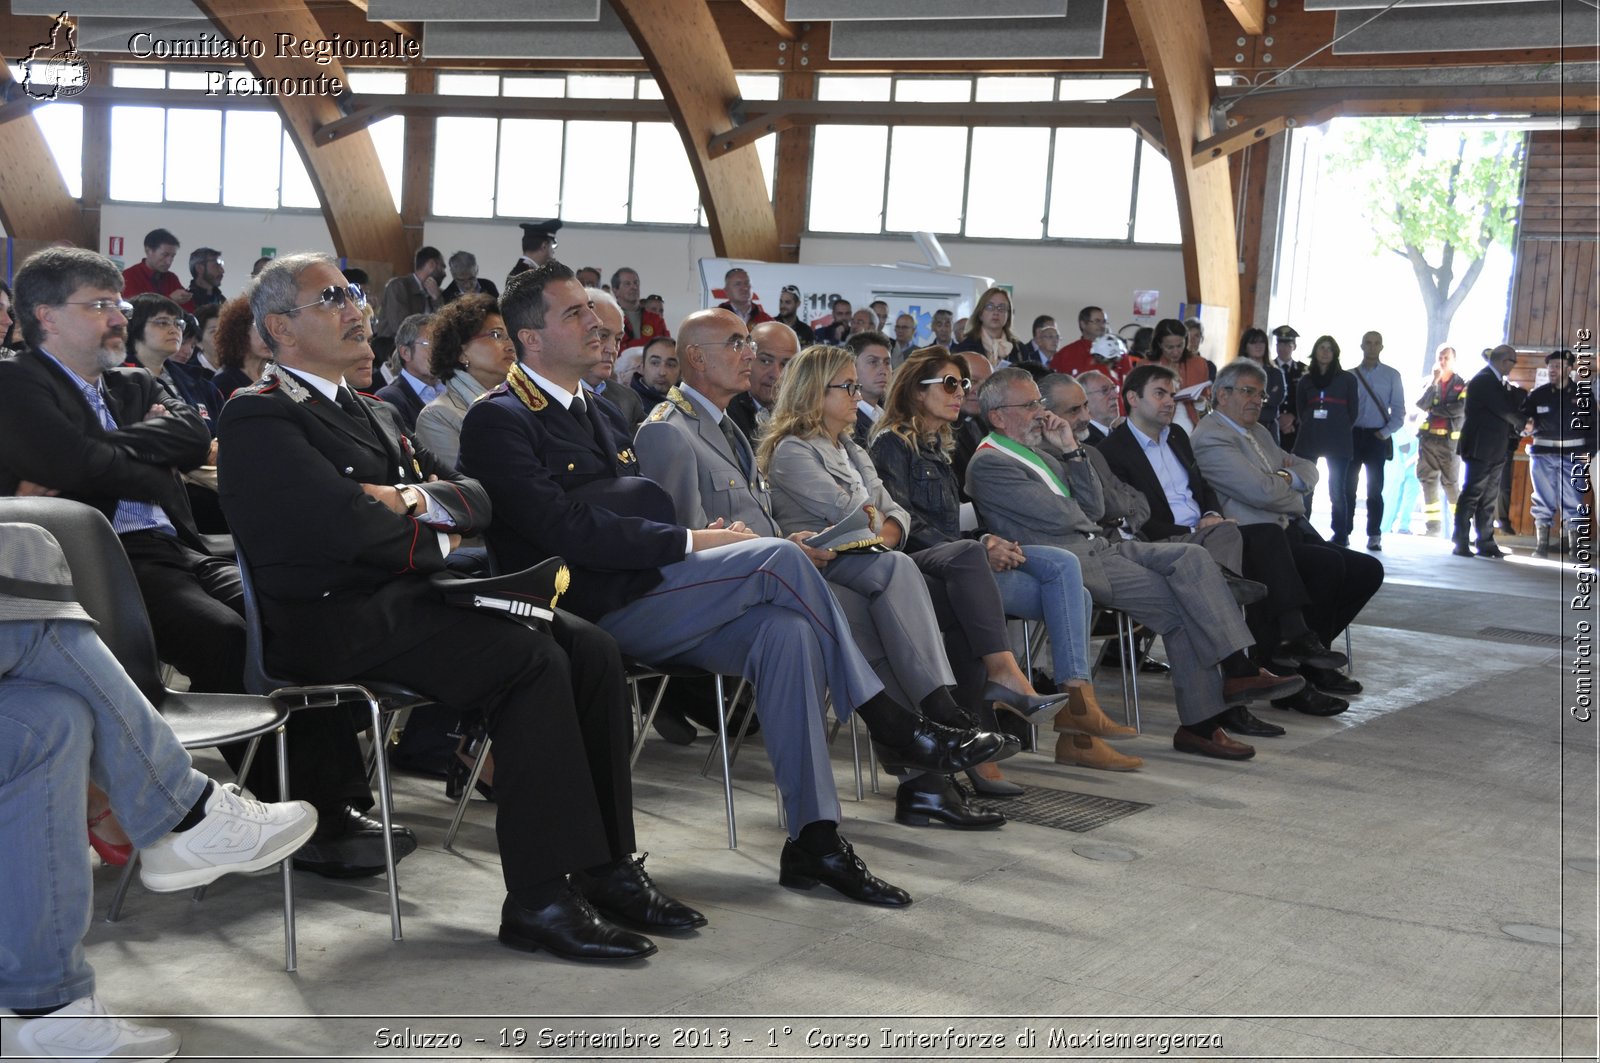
1086 751
1083 715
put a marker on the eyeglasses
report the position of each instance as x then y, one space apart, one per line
103 306
952 384
1036 404
849 387
739 344
1246 390
996 306
499 335
166 322
335 296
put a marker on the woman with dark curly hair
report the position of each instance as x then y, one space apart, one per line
242 354
472 352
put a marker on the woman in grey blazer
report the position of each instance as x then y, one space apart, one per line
819 477
472 352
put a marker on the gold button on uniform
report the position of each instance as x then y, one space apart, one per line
570 466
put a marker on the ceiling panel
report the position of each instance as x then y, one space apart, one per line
886 10
1080 35
604 39
129 9
1470 28
484 10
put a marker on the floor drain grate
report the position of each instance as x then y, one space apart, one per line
1517 634
1065 810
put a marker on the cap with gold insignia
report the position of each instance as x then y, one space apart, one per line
1285 332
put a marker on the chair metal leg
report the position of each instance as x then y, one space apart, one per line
649 717
386 807
123 882
466 792
855 755
1027 648
1130 657
744 724
727 766
725 711
290 957
1350 668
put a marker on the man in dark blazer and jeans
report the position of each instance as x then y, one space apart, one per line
344 520
73 424
1494 418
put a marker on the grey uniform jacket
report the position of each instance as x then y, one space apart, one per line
816 484
681 448
1250 492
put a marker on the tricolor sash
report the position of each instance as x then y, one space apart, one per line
1017 452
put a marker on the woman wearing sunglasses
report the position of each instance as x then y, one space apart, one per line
820 477
910 447
471 353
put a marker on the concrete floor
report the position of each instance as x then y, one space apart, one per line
1365 887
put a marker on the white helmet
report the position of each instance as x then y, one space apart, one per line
1109 348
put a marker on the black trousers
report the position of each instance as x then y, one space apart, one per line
1269 560
1338 581
196 606
557 709
1370 453
1479 495
967 605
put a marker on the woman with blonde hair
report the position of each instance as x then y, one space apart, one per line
820 477
911 447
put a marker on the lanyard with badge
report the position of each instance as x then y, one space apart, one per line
1321 412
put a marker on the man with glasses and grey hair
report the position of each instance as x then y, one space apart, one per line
464 279
416 385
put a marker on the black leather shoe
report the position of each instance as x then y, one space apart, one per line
843 870
673 726
1308 649
1462 549
1245 591
918 808
1491 550
934 747
628 896
1149 666
1312 702
570 928
1329 681
349 844
1239 720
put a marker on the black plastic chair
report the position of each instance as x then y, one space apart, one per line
107 589
381 700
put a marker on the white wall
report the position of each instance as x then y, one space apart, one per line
1047 278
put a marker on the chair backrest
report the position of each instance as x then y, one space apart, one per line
256 678
103 579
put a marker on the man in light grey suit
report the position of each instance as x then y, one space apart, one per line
691 447
1259 483
1031 481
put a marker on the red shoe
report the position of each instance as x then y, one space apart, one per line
112 853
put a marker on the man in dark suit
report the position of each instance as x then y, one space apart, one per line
1154 455
717 598
872 369
1494 417
621 402
464 279
344 520
416 386
538 244
776 346
72 424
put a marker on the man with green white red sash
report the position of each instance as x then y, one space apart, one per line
1031 483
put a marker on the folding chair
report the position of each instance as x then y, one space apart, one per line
107 589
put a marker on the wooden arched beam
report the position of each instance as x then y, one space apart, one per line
1177 52
681 45
34 201
346 174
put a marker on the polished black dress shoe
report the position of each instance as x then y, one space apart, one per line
628 896
843 870
1491 550
1245 591
571 928
1308 649
673 726
1148 666
1329 681
1312 702
918 808
349 844
935 747
1462 549
1241 721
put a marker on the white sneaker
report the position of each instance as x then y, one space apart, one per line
237 834
83 1030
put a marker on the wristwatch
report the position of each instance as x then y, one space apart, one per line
411 497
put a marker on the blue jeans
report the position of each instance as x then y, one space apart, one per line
1048 586
1558 483
69 713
